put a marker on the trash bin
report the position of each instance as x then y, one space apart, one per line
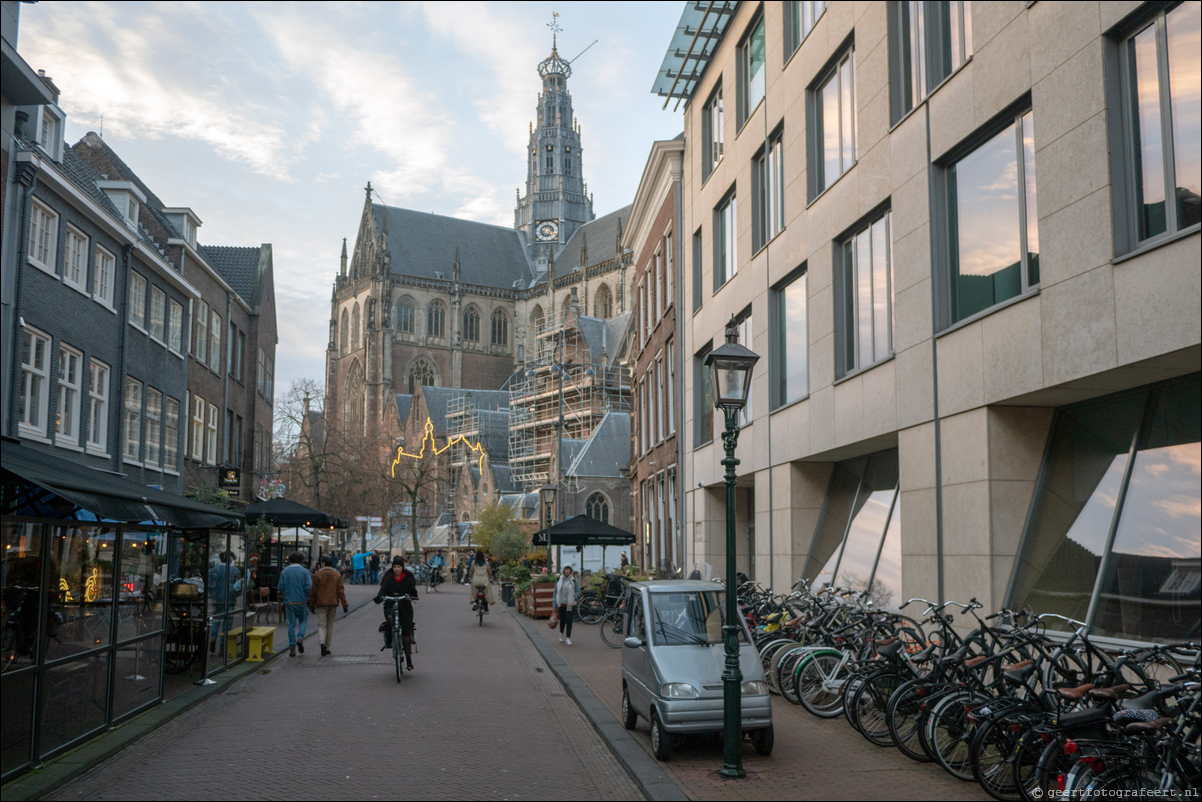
507 593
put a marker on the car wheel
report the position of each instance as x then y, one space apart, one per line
762 740
661 741
629 717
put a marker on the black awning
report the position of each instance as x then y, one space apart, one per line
583 531
282 512
43 485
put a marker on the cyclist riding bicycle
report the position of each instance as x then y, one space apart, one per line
437 563
481 578
398 582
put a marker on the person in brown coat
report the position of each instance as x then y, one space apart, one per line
324 597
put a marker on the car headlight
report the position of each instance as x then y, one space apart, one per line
754 688
679 690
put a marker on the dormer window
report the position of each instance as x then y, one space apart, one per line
126 197
185 221
47 133
131 213
45 127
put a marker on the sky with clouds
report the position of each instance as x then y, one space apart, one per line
267 119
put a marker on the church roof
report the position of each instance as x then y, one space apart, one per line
604 337
403 402
422 244
602 236
607 451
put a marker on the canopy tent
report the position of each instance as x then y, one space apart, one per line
281 512
40 485
583 531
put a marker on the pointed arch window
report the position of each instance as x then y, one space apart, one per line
500 328
355 399
422 373
436 317
355 327
344 332
471 324
406 316
597 507
604 306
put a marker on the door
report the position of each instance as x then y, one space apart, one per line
637 661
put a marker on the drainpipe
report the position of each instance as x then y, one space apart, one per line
225 383
935 370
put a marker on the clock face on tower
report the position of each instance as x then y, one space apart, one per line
547 231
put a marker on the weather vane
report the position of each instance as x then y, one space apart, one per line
554 26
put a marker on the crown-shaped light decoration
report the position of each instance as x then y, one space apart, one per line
554 63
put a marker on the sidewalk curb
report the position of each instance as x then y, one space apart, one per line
645 772
66 767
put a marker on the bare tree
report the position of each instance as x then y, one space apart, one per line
417 480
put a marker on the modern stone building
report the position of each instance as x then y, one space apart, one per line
964 237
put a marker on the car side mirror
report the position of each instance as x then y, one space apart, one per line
633 643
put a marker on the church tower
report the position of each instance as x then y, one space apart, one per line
556 203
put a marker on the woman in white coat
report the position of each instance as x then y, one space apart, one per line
567 591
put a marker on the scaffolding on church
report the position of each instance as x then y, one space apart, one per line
534 398
466 419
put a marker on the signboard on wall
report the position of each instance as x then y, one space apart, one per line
231 481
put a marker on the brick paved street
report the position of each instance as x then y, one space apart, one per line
480 718
819 758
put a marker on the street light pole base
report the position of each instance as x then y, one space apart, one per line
732 772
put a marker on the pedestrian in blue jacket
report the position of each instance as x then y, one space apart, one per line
293 586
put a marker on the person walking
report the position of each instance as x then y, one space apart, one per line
325 595
625 562
294 585
375 567
567 591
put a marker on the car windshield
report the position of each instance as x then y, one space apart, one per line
693 617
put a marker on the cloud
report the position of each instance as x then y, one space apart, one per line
133 75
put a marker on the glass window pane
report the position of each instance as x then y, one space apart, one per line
73 700
864 537
81 589
837 510
1148 139
864 296
16 728
137 671
1151 588
795 340
1185 92
847 111
143 576
755 67
1032 207
21 597
1075 506
886 582
830 132
986 209
880 288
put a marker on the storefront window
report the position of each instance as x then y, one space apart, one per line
81 588
136 671
73 700
21 598
16 722
140 603
226 590
185 634
1149 556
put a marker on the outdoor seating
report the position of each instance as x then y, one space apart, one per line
232 639
260 641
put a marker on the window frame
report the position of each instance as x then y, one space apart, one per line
211 435
944 43
436 312
778 325
745 326
795 17
845 304
471 324
170 434
768 190
406 312
175 326
698 269
156 321
99 375
745 105
1124 137
816 179
29 370
131 451
154 428
69 392
499 333
725 256
45 245
197 449
945 251
215 329
703 406
78 255
713 110
102 291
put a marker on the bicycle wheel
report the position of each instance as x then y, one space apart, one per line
854 683
901 716
949 732
818 679
989 753
611 629
870 703
591 610
398 653
784 663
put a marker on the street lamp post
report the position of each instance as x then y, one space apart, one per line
730 376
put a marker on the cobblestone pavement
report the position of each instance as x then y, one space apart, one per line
481 718
812 757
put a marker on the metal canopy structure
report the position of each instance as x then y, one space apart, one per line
583 531
701 27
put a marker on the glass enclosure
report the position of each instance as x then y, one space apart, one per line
858 540
1114 538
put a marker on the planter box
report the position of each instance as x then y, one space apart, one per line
539 600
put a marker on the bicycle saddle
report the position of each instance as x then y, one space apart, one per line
1148 726
1018 672
1151 699
1111 694
1075 694
972 662
890 649
925 654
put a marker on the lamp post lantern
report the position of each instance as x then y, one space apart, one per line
730 375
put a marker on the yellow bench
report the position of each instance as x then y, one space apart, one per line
231 643
260 641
